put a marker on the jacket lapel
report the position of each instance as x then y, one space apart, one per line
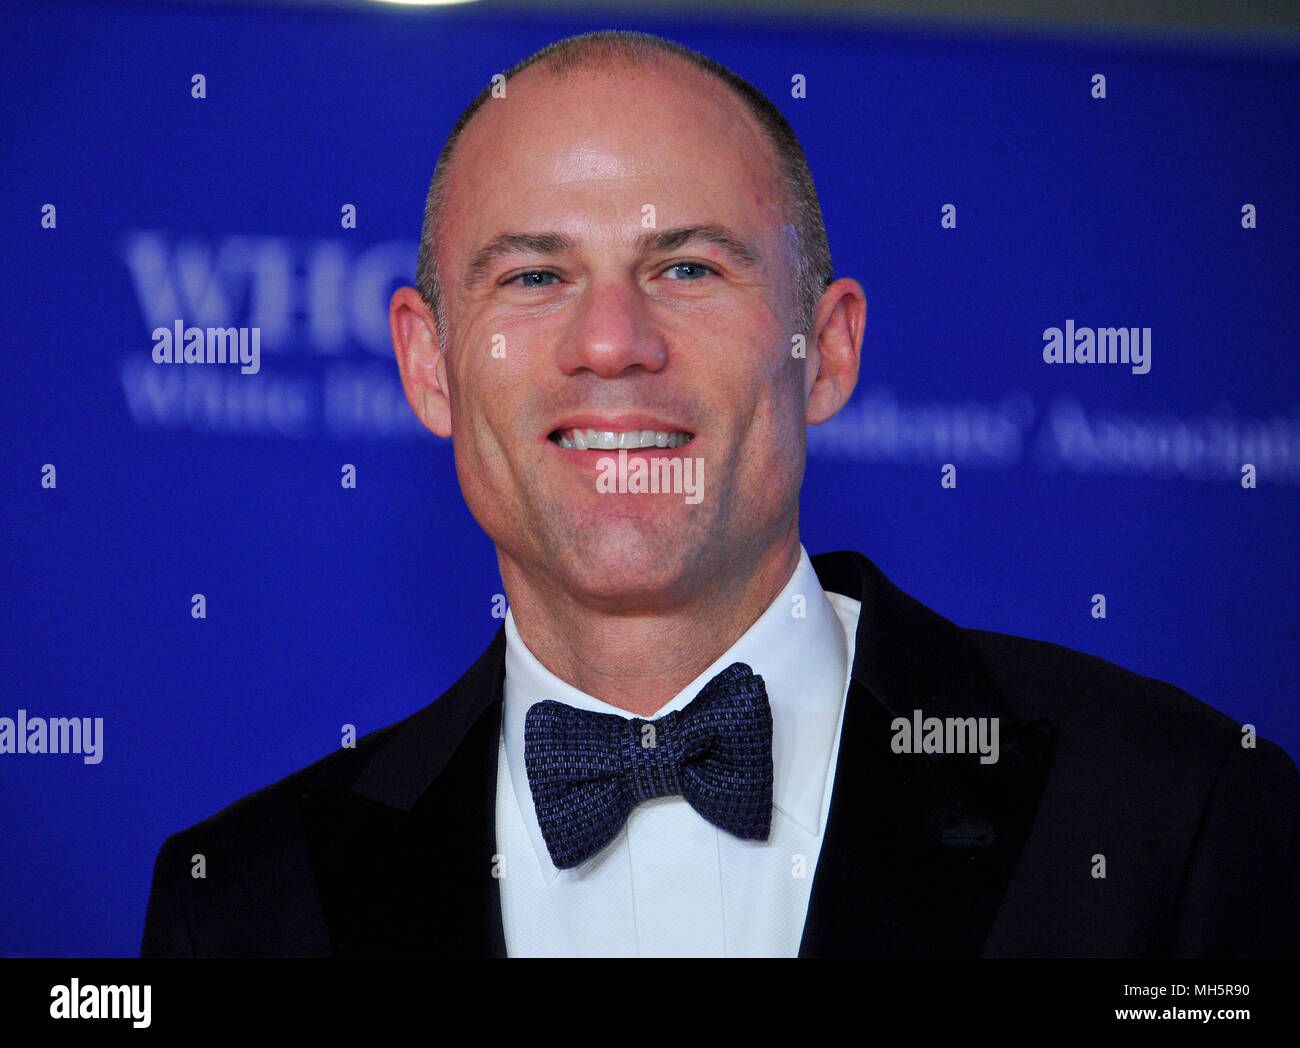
918 848
403 860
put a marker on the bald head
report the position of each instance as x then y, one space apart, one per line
735 109
621 261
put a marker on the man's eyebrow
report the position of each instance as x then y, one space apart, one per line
509 243
740 250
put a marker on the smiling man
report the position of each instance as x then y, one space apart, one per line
689 737
636 264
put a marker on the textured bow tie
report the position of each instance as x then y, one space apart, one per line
589 770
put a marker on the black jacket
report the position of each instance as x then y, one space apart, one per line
387 848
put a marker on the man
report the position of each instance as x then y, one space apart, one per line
689 738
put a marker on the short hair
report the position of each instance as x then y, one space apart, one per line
621 48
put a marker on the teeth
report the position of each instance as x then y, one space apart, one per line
609 440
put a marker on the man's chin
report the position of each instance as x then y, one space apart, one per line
630 570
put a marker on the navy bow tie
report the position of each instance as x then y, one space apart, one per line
589 770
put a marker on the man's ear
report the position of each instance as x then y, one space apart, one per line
420 359
836 348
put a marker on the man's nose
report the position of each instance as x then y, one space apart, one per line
612 332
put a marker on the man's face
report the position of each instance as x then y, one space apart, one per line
603 328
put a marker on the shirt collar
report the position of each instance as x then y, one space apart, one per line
800 649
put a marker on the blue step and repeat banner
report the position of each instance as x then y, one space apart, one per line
985 187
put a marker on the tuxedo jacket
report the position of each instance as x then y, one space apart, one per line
1122 818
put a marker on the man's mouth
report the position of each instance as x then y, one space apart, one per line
613 440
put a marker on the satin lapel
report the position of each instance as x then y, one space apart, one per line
403 860
919 848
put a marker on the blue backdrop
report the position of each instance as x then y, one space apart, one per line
328 606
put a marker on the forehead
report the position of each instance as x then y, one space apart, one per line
594 145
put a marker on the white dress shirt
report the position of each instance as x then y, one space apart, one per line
671 883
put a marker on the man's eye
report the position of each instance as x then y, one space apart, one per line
528 279
698 269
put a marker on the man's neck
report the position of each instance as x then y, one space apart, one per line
638 662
